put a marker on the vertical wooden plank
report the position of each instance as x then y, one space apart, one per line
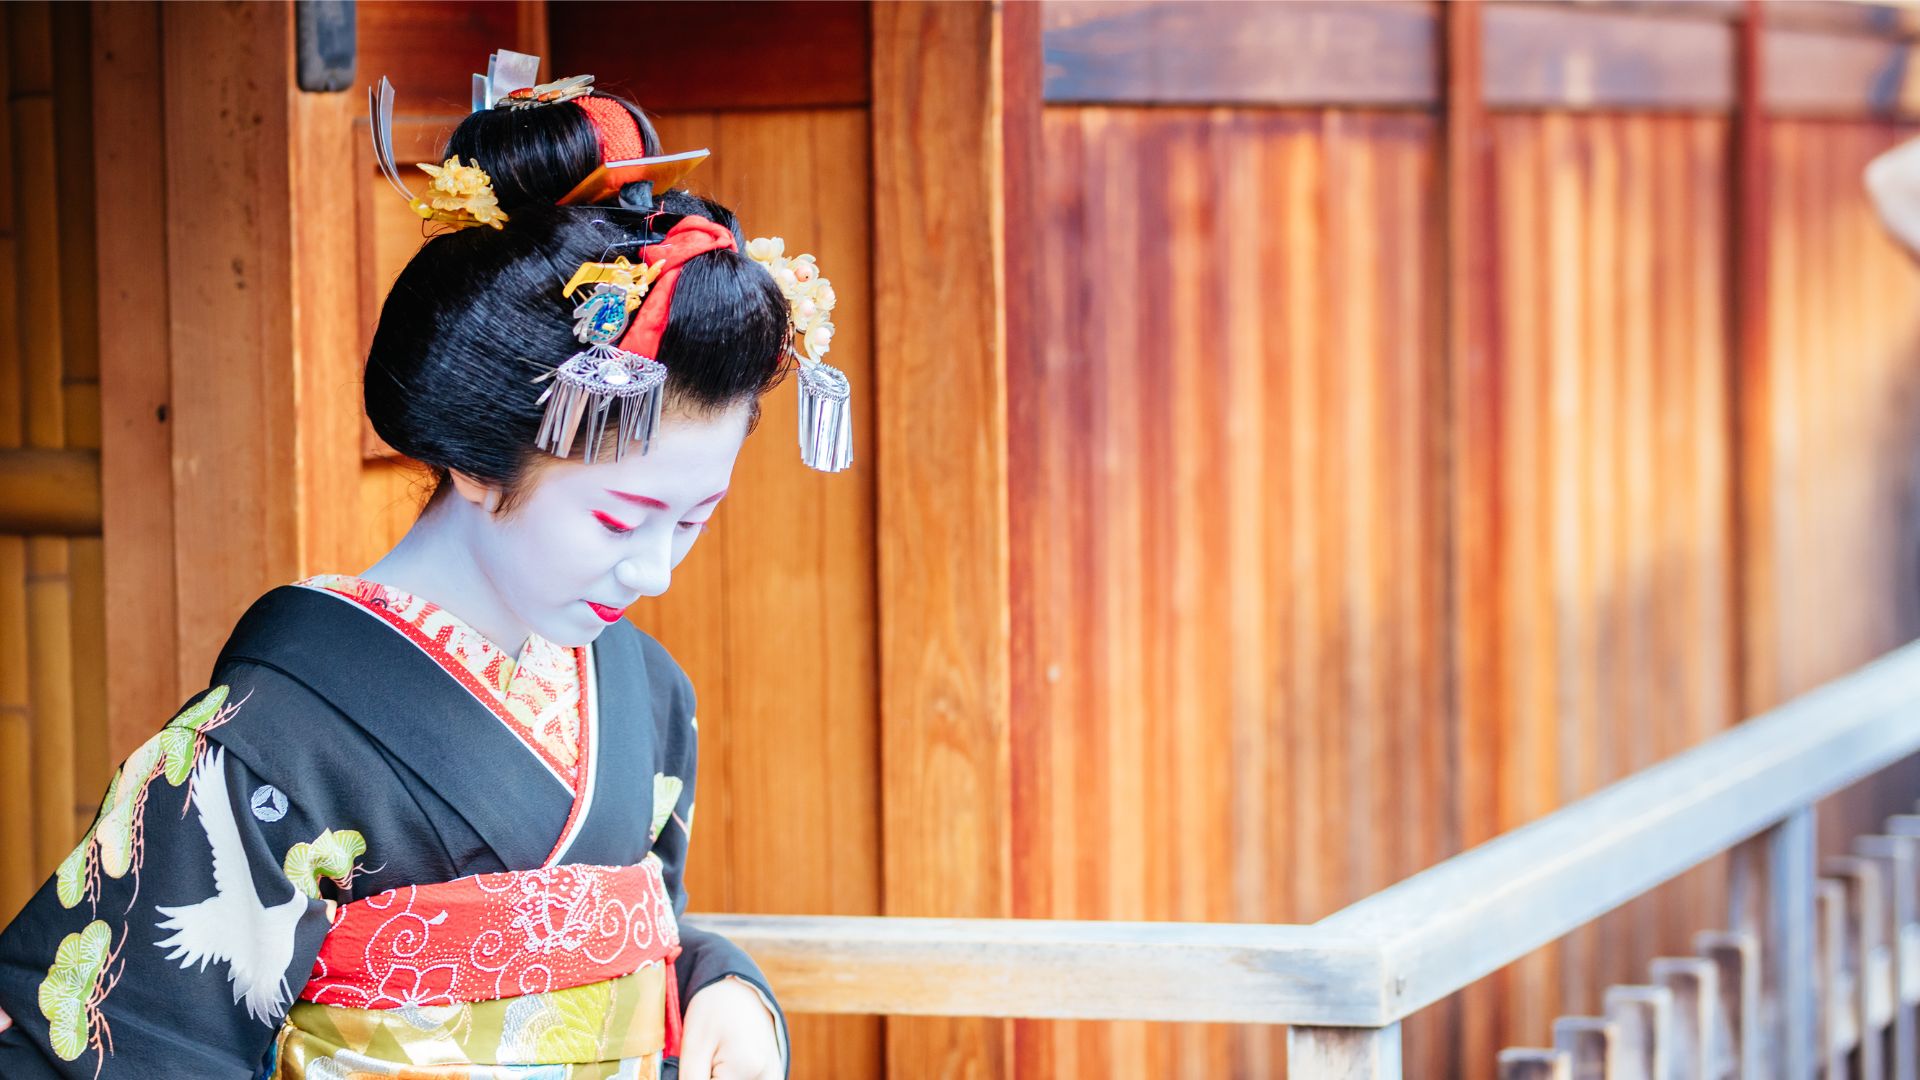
729 614
944 80
1343 1053
1473 371
136 474
1735 1040
1771 896
1694 986
50 694
323 177
1756 605
21 871
229 256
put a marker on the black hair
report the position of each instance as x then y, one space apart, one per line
477 314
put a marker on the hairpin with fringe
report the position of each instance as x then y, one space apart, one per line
826 423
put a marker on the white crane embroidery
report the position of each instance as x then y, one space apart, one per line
255 941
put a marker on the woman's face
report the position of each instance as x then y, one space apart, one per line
586 541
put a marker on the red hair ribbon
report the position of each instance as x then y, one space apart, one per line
694 235
613 124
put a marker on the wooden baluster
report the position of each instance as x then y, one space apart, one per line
1899 860
1771 897
1588 1042
1869 959
1644 1016
1522 1063
1833 987
1734 1046
1325 1053
1695 986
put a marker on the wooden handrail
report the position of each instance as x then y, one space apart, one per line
1391 954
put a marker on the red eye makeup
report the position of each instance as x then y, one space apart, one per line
613 524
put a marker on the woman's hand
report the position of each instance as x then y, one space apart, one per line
729 1035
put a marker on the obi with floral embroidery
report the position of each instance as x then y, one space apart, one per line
566 967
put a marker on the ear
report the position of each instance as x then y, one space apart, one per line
478 492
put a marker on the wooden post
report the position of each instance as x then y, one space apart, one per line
1522 1063
1643 1015
1734 1042
1343 1053
1867 959
1694 984
1896 857
1473 479
1771 896
956 106
1837 1027
1588 1042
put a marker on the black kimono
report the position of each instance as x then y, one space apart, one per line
354 745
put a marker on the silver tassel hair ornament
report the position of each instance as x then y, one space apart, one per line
603 383
826 419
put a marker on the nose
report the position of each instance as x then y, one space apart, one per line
647 571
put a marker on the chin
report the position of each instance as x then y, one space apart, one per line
573 633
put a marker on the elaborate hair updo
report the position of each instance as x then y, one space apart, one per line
477 314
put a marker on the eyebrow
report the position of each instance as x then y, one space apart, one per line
655 504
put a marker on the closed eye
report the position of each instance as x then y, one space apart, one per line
692 526
613 524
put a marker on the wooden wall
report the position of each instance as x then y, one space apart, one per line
1322 502
1246 482
53 747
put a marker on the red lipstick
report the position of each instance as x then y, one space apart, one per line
607 614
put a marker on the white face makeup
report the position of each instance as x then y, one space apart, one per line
586 541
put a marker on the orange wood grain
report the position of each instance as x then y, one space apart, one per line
773 616
939 246
136 477
236 500
1229 529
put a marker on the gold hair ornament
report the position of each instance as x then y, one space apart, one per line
459 195
826 424
603 377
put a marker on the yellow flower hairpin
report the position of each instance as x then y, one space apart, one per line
460 195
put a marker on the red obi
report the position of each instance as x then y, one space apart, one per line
492 936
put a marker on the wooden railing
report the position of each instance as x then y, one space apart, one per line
1345 983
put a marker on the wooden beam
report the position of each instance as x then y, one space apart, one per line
1564 56
760 44
50 492
1343 1053
1117 970
1813 73
946 88
1476 912
1188 52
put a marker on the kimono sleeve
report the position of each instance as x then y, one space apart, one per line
174 937
705 957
